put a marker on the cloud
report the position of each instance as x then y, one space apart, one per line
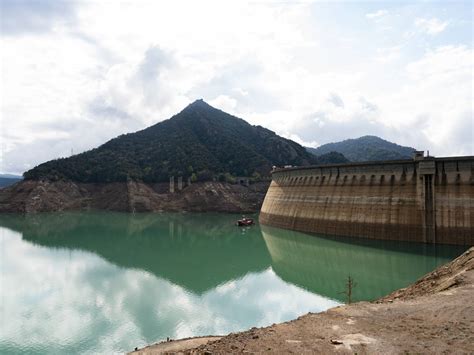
376 15
99 107
430 108
431 26
389 54
336 100
152 75
332 123
244 79
224 103
150 89
297 139
81 300
443 63
367 106
125 67
38 16
432 102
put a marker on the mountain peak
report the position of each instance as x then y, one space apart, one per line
201 142
199 103
197 106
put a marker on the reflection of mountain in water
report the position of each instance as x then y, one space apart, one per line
322 265
195 251
201 251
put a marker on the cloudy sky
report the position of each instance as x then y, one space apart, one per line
77 73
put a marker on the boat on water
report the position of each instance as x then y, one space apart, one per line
244 222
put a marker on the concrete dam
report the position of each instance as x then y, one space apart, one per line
427 199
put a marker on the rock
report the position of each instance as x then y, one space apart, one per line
45 196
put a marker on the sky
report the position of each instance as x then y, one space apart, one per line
75 74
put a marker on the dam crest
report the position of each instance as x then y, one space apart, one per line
424 199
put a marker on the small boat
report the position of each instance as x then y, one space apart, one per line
244 222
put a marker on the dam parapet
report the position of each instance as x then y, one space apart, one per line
425 199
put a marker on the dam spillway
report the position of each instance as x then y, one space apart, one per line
427 199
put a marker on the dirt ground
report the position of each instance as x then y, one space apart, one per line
167 347
433 316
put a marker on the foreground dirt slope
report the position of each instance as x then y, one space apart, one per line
434 315
45 196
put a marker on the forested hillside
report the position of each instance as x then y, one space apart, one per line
366 148
200 142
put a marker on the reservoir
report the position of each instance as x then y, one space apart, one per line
103 282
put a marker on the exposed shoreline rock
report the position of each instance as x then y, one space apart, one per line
434 315
32 196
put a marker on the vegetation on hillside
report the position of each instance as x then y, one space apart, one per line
366 148
332 158
200 142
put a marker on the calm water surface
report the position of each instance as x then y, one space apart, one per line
108 282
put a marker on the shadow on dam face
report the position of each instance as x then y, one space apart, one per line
322 264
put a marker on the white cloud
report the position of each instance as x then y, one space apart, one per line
446 73
376 15
81 300
336 100
431 26
448 62
19 17
297 139
388 54
224 103
109 68
121 67
429 109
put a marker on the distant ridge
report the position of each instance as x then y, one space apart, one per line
366 148
11 176
201 143
9 179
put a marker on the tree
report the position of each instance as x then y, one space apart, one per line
350 284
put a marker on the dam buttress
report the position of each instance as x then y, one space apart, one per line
427 199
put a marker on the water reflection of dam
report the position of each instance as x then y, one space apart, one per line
202 251
322 264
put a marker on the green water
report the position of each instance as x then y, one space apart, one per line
108 282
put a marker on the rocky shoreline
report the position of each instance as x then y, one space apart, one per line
434 315
30 196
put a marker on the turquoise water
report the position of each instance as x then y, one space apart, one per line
110 282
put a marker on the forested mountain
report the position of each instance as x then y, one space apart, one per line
366 148
331 158
200 142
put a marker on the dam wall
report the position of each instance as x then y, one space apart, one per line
427 199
